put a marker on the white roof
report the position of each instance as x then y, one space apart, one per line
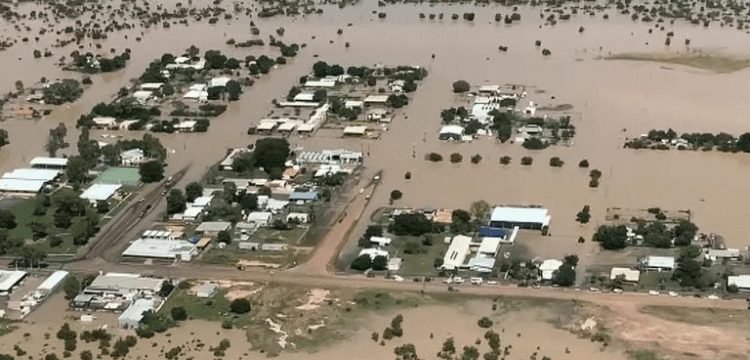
373 253
195 94
489 245
197 87
151 86
355 129
100 192
134 313
214 226
482 264
740 281
202 201
452 129
520 215
192 212
664 262
9 278
457 252
32 174
266 125
376 99
186 124
219 81
489 88
132 153
102 120
325 82
630 274
142 94
52 281
48 161
306 127
380 240
165 249
548 268
304 97
723 253
13 185
207 290
353 103
256 216
287 126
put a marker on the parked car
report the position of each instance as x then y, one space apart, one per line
458 280
398 278
492 282
476 281
653 293
673 294
617 291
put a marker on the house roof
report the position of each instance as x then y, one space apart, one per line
12 185
52 281
520 215
48 161
259 216
134 313
376 99
156 248
666 262
373 253
131 153
359 130
486 231
98 192
127 282
457 252
214 226
452 129
630 274
740 281
380 240
311 195
32 174
489 245
8 279
481 264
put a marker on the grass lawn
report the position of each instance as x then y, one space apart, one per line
655 281
7 326
421 264
24 211
270 235
198 308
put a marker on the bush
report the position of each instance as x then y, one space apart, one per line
556 162
226 324
362 263
240 306
380 263
461 86
412 248
476 159
456 158
434 157
526 160
534 144
407 176
505 160
396 194
178 313
484 322
583 164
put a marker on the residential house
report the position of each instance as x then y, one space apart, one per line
303 197
132 157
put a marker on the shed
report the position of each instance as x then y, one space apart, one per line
208 290
261 218
9 279
742 282
213 227
451 132
131 318
104 122
628 275
373 253
302 218
381 241
659 263
523 217
52 282
42 162
304 197
100 192
247 245
273 247
355 130
376 99
548 268
132 157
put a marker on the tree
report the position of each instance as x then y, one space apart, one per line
230 192
19 85
565 275
484 322
505 160
480 209
448 349
240 306
4 137
102 206
362 263
690 251
412 248
224 237
583 215
320 69
86 355
456 158
7 219
168 90
175 202
38 230
571 259
556 162
406 352
193 191
470 353
658 240
76 170
461 86
476 159
583 163
271 153
61 219
684 232
527 160
151 171
534 144
71 287
396 194
688 272
234 90
743 143
411 224
380 263
612 237
178 313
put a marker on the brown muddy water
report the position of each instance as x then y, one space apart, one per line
611 99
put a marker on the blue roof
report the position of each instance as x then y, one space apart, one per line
194 239
486 231
312 195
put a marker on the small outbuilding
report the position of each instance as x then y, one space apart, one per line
208 290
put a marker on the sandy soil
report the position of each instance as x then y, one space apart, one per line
718 63
315 299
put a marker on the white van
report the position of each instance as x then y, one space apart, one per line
476 281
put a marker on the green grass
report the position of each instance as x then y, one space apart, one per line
7 326
124 176
24 211
655 280
269 235
421 264
198 308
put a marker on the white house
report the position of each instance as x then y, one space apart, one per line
132 157
628 275
523 217
302 218
373 253
381 241
658 263
457 252
451 132
103 122
548 268
260 218
742 282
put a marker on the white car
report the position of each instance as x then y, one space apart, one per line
653 293
593 289
398 278
492 282
713 297
448 281
617 291
673 294
458 280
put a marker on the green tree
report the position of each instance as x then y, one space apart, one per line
32 254
484 322
234 89
362 263
505 160
470 353
248 201
380 263
565 275
461 86
178 313
61 219
240 306
406 352
480 209
71 287
76 170
230 192
224 237
102 206
175 202
320 69
583 216
271 153
7 219
193 191
86 355
151 171
396 195
612 237
684 232
411 224
534 144
688 272
456 158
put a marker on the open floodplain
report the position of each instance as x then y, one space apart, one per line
615 77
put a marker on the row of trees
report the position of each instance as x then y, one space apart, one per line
655 234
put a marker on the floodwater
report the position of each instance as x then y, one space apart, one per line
608 97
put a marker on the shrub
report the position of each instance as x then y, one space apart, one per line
240 306
362 263
583 164
556 162
534 144
178 313
594 183
484 322
505 160
476 159
526 160
434 157
461 86
407 176
456 158
396 194
226 324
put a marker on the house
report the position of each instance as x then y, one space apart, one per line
208 290
186 126
376 99
742 282
213 228
52 282
24 113
355 130
377 114
246 245
151 86
330 157
101 122
443 216
523 217
451 132
196 95
301 218
304 97
489 89
191 214
202 202
132 157
456 253
658 263
273 247
303 197
373 253
161 249
49 163
228 161
548 267
531 129
290 173
627 275
131 318
326 82
489 247
380 241
481 263
219 82
100 192
28 180
500 234
353 104
719 255
142 96
260 218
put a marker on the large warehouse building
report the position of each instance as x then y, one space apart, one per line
525 218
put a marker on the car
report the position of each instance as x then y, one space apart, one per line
653 293
491 282
673 294
458 280
398 278
617 291
417 279
713 297
448 281
476 281
593 289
